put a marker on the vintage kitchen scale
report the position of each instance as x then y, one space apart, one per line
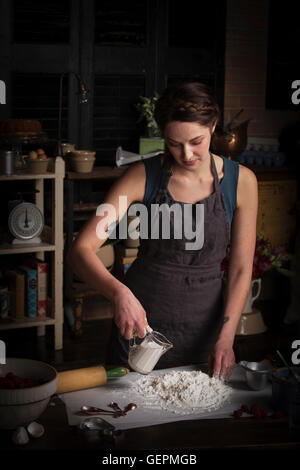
25 221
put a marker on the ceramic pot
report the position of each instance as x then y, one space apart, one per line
38 166
82 161
251 321
251 297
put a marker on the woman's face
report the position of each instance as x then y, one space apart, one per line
188 142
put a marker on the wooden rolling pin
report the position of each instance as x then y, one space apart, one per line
88 377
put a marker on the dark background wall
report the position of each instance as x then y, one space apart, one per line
247 50
261 62
121 50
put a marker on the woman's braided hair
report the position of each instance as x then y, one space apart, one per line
186 102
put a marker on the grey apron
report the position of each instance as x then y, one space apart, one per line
180 290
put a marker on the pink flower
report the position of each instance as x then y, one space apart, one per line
263 259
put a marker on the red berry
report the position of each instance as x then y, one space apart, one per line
254 408
17 381
237 414
269 358
264 413
8 384
12 381
245 408
10 376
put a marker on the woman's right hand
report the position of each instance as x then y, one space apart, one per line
129 315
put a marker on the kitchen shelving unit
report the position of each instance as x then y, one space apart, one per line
52 241
75 292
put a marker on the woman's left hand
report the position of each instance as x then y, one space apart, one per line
221 360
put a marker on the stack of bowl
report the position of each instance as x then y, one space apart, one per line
22 406
82 161
38 166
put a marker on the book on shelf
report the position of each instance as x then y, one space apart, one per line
128 260
30 290
42 284
16 281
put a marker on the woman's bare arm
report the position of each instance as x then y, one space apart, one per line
243 239
82 257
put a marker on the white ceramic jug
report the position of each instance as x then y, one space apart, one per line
250 299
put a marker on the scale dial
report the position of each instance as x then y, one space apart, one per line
25 221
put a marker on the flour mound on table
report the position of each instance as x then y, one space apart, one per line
182 392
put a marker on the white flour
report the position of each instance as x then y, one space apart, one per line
182 392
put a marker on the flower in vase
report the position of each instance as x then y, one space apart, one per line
266 258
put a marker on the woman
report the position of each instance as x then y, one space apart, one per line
178 291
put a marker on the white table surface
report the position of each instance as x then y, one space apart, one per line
118 390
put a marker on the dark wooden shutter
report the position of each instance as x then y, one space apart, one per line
119 23
115 115
41 22
35 96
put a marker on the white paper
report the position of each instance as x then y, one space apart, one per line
116 388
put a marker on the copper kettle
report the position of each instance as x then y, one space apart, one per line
231 141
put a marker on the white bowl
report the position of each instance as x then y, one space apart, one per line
19 407
82 164
83 154
38 166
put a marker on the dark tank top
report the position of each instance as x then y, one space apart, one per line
228 184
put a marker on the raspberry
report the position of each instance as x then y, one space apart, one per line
269 358
12 381
264 413
237 414
17 381
7 384
254 408
245 408
10 376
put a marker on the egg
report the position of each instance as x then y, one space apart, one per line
35 429
33 155
40 151
20 436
